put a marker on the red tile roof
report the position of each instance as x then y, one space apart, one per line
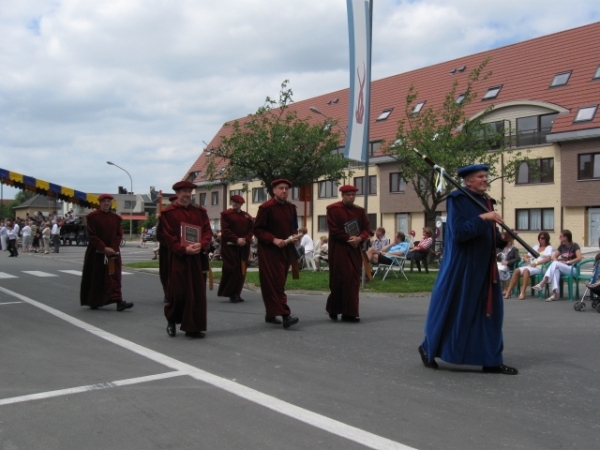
524 70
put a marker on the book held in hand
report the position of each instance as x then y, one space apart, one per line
352 227
190 234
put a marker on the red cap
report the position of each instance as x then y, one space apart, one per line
348 188
103 196
281 180
183 185
238 199
172 198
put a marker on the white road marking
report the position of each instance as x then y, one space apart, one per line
126 273
90 387
4 276
37 273
317 420
11 303
72 272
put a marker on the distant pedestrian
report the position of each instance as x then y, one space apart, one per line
55 236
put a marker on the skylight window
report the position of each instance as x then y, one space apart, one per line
418 107
492 93
460 98
461 68
586 114
384 114
560 79
597 74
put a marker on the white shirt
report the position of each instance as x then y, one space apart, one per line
26 231
55 229
307 243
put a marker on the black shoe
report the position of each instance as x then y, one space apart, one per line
195 334
165 300
123 305
171 329
273 319
425 359
346 318
233 299
240 300
333 317
500 369
289 320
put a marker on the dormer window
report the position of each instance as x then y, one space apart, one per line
492 93
560 79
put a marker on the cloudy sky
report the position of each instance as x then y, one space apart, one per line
143 83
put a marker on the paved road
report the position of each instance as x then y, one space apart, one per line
72 378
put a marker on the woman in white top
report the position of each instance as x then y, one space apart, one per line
534 265
309 249
566 255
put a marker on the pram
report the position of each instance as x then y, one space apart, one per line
592 289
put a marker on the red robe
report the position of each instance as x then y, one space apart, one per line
345 261
186 287
234 225
98 288
274 220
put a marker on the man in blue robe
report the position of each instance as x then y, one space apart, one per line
464 322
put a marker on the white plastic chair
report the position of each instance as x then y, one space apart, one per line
397 262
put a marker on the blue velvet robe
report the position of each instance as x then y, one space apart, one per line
457 328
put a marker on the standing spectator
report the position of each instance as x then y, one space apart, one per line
101 277
26 235
345 258
35 233
464 322
4 235
46 236
186 286
142 242
309 249
236 235
379 240
276 221
55 235
12 240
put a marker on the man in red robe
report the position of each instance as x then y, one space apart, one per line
345 259
236 235
275 222
186 287
101 277
163 270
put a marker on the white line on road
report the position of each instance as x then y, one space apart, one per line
72 272
90 387
37 273
11 303
317 420
4 276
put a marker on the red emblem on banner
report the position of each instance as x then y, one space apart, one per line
359 113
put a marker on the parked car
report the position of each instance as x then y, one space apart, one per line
149 235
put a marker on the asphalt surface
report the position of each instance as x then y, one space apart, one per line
73 378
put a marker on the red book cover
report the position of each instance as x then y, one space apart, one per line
190 234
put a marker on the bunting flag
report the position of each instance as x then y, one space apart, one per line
49 189
359 28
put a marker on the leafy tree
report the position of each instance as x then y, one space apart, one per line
275 143
450 139
24 195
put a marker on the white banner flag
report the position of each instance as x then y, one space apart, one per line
359 27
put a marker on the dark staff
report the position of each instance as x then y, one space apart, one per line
443 173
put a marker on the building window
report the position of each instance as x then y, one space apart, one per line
493 133
492 93
216 224
384 114
192 176
589 166
259 195
560 79
536 171
328 189
535 219
236 192
373 221
401 224
397 184
586 114
374 147
597 74
323 224
460 98
295 193
214 198
532 130
203 199
360 181
418 107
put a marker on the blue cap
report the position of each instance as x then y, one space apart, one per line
467 170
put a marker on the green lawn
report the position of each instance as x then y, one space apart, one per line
319 281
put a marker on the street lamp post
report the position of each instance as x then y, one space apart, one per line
130 202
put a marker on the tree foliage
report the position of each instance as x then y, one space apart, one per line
450 139
275 143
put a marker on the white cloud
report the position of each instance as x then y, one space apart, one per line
143 82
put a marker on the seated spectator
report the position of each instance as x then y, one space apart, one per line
398 248
379 241
420 251
507 258
309 250
321 252
533 266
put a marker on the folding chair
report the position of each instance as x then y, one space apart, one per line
396 262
